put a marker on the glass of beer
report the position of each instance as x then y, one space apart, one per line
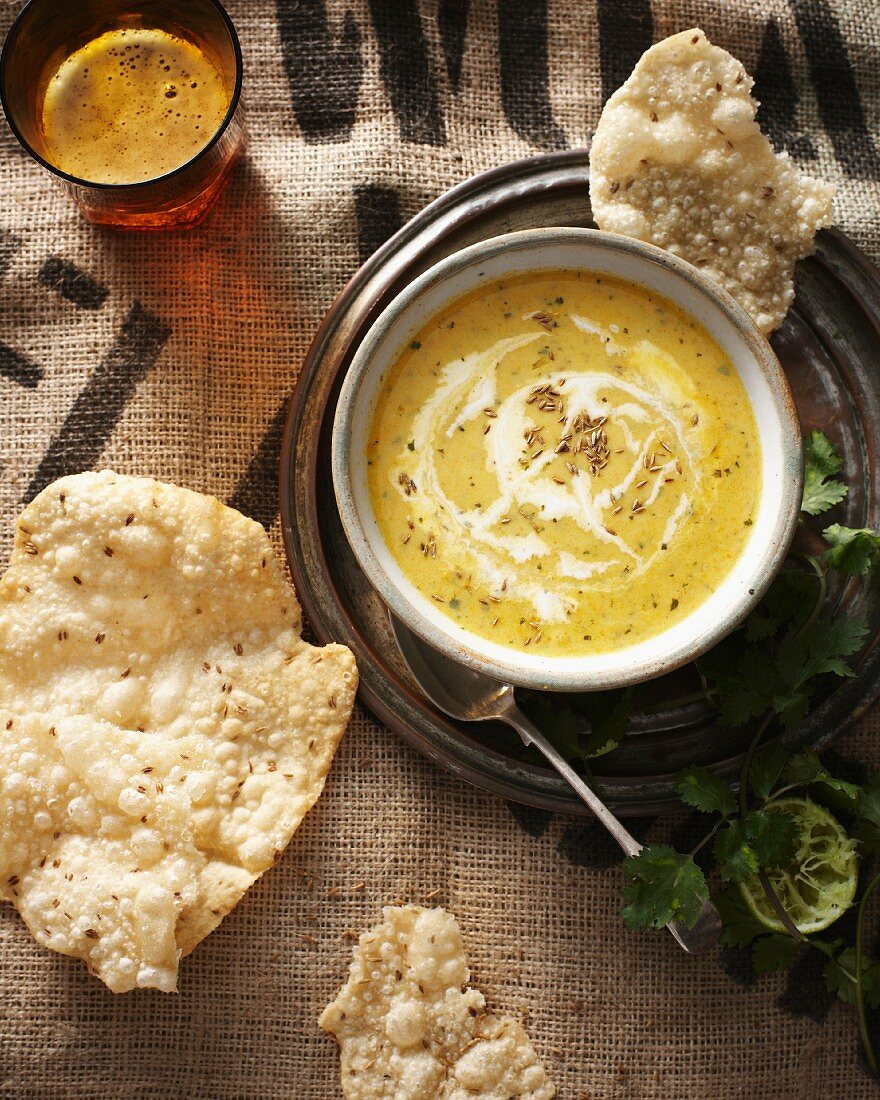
135 105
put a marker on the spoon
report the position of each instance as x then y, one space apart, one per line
471 696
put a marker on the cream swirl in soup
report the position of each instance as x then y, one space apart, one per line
564 461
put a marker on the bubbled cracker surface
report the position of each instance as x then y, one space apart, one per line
410 1028
158 622
678 160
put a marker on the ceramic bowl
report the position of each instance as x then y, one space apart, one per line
658 271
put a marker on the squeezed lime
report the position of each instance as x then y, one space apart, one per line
819 884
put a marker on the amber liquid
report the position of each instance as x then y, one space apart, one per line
132 105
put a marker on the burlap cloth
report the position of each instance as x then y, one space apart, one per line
172 356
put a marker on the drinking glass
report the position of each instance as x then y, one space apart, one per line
46 32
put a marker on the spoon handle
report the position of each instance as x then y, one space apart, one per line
707 929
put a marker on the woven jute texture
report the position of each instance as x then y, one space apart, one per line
172 355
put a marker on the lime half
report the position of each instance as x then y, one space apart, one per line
819 884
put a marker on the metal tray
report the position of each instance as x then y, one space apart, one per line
830 349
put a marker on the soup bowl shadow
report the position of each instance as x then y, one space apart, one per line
658 272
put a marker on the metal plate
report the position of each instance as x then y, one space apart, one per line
830 349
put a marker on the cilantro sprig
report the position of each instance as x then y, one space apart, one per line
766 675
821 462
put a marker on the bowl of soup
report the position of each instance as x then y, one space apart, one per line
568 459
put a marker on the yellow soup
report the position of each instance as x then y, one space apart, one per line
564 461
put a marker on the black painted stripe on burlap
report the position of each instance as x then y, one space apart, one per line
257 493
377 210
13 364
99 405
776 91
406 71
72 283
525 72
18 368
324 73
837 95
626 30
452 18
10 244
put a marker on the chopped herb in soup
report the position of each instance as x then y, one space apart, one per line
565 462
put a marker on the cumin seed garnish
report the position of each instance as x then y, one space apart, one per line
409 486
544 319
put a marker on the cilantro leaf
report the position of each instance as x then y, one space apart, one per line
851 550
558 722
740 925
869 800
767 765
791 707
773 952
867 827
699 788
839 973
664 885
608 712
803 769
821 649
744 684
821 461
736 857
836 973
772 836
787 600
806 769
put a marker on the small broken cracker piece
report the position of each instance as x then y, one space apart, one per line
161 620
679 160
408 1027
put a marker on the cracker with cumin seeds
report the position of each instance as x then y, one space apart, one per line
678 160
409 1027
161 619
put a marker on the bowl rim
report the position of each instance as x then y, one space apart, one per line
566 676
